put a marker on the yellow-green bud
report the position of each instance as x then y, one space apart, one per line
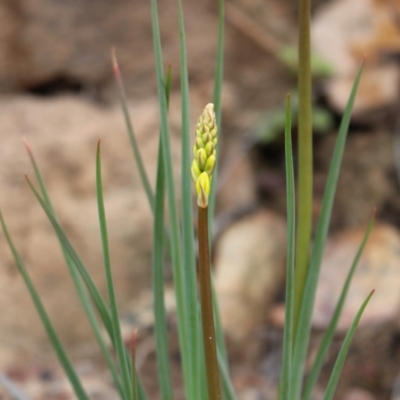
203 188
209 148
201 158
204 153
210 165
199 142
195 171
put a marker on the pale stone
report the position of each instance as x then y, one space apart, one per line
378 269
250 268
344 33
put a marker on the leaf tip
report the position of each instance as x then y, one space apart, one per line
132 343
115 66
27 146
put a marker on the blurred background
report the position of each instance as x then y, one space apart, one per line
57 91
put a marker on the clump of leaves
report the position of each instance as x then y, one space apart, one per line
203 354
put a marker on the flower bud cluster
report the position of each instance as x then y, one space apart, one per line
204 153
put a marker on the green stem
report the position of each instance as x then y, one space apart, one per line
207 316
305 154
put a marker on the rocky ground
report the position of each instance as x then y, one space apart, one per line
57 91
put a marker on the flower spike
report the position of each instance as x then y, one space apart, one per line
204 153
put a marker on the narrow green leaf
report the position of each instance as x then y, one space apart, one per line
305 160
337 369
119 345
134 375
135 148
286 378
304 327
195 356
176 252
157 265
58 347
228 392
217 100
331 329
82 293
161 333
91 286
219 332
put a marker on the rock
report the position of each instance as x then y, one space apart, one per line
63 134
377 90
47 42
346 31
250 268
377 269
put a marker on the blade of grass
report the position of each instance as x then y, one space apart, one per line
82 293
157 265
161 333
134 377
331 329
227 388
119 345
176 253
219 333
286 379
305 164
188 242
304 327
58 347
217 99
135 148
337 369
91 286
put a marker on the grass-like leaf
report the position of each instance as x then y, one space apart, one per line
119 345
286 378
58 347
228 392
134 376
337 369
330 331
305 157
157 266
91 286
161 331
135 148
304 327
176 246
217 100
82 293
188 244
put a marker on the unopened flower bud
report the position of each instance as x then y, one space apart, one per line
209 148
203 187
204 153
210 165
